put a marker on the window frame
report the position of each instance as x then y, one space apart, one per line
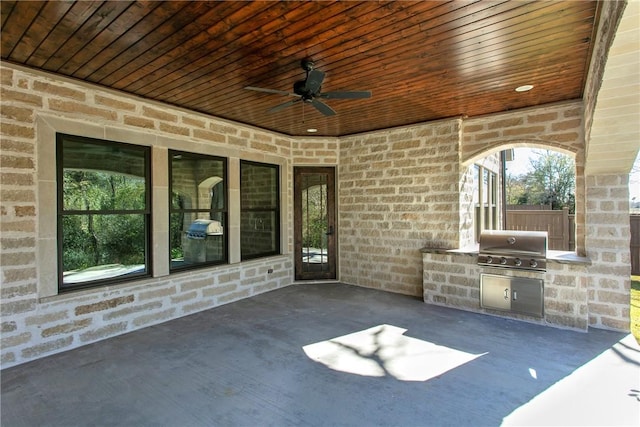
225 211
486 208
276 209
61 212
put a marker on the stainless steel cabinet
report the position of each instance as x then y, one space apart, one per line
518 294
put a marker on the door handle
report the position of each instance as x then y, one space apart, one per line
506 293
329 231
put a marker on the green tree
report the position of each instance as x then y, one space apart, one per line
551 181
94 239
516 190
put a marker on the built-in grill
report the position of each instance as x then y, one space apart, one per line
526 250
521 289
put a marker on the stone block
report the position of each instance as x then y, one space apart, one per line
9 308
155 113
9 292
134 309
19 114
19 97
103 305
219 290
176 130
157 293
114 103
66 328
19 131
103 332
83 109
209 135
57 90
196 284
46 347
42 319
542 117
14 340
153 318
23 148
505 123
139 122
178 299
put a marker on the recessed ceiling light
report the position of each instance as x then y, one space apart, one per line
524 88
312 130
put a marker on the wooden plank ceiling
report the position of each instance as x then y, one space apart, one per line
422 60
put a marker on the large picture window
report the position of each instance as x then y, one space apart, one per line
198 211
103 211
259 210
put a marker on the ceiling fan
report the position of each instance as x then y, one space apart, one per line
309 91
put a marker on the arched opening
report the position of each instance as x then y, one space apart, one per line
523 186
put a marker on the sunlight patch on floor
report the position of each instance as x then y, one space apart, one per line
610 380
384 350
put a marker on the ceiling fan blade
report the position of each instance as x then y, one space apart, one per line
283 106
323 108
260 89
357 94
314 81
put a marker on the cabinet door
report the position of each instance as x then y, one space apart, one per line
495 292
527 296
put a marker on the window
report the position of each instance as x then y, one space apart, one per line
259 210
485 200
198 211
103 211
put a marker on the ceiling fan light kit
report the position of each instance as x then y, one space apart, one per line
310 89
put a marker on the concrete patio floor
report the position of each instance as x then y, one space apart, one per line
333 355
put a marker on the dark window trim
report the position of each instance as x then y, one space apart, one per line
225 211
60 213
276 209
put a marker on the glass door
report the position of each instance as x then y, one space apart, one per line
314 220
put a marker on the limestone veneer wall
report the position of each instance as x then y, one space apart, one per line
398 190
36 321
607 241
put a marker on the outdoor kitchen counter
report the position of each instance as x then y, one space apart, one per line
561 257
451 278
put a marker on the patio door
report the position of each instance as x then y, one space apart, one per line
314 223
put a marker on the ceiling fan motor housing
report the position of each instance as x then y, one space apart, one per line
300 88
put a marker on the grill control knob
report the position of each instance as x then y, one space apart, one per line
503 261
517 262
533 263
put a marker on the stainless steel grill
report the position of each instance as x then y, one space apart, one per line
525 250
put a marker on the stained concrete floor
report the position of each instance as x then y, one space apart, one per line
333 355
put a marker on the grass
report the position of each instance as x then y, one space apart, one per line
635 307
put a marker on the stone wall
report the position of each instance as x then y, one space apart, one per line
36 319
397 191
608 239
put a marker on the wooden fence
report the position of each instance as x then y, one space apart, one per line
560 226
634 222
